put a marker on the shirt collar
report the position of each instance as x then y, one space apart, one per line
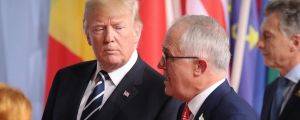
294 74
198 100
118 74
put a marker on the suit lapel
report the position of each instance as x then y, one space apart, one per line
212 100
268 99
83 79
292 108
71 87
124 92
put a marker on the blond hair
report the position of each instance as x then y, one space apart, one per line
108 6
13 104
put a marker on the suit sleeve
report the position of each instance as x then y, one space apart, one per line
48 112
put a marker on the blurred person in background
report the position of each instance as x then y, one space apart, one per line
13 104
280 45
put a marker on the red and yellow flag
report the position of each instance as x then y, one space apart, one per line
67 42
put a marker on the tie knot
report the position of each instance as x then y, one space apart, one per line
105 74
186 112
283 82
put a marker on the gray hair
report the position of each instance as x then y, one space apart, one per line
289 15
130 5
205 38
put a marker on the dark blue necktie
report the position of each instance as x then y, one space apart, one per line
95 99
278 98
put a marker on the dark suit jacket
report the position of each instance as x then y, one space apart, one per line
224 104
291 110
146 101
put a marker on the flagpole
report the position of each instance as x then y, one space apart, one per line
240 44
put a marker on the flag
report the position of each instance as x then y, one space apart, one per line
214 8
153 15
67 41
252 81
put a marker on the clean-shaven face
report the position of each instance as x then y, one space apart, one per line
178 72
113 36
273 44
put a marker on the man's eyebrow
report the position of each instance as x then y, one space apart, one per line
96 24
266 32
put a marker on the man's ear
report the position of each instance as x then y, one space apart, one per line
295 42
85 27
138 31
200 66
88 37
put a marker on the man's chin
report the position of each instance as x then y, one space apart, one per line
269 63
112 64
114 60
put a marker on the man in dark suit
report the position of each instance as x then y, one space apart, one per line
119 85
280 45
195 62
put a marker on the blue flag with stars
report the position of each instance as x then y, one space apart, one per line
252 81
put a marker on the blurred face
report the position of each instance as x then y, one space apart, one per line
113 36
178 71
274 45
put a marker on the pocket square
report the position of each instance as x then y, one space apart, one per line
297 93
201 117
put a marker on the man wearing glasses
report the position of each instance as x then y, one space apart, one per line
195 62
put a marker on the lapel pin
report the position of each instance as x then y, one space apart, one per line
126 93
297 93
201 117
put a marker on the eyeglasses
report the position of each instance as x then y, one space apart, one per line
166 57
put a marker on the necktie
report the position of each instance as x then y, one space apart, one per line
186 112
278 98
95 99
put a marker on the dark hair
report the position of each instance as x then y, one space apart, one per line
288 12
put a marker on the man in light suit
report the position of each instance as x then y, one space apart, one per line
195 62
116 86
280 45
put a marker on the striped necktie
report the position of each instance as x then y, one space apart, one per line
95 99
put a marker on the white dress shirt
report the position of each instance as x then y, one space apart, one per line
197 101
110 85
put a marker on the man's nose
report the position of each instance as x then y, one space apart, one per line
110 34
259 44
161 64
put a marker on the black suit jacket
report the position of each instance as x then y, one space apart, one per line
146 101
223 104
291 110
